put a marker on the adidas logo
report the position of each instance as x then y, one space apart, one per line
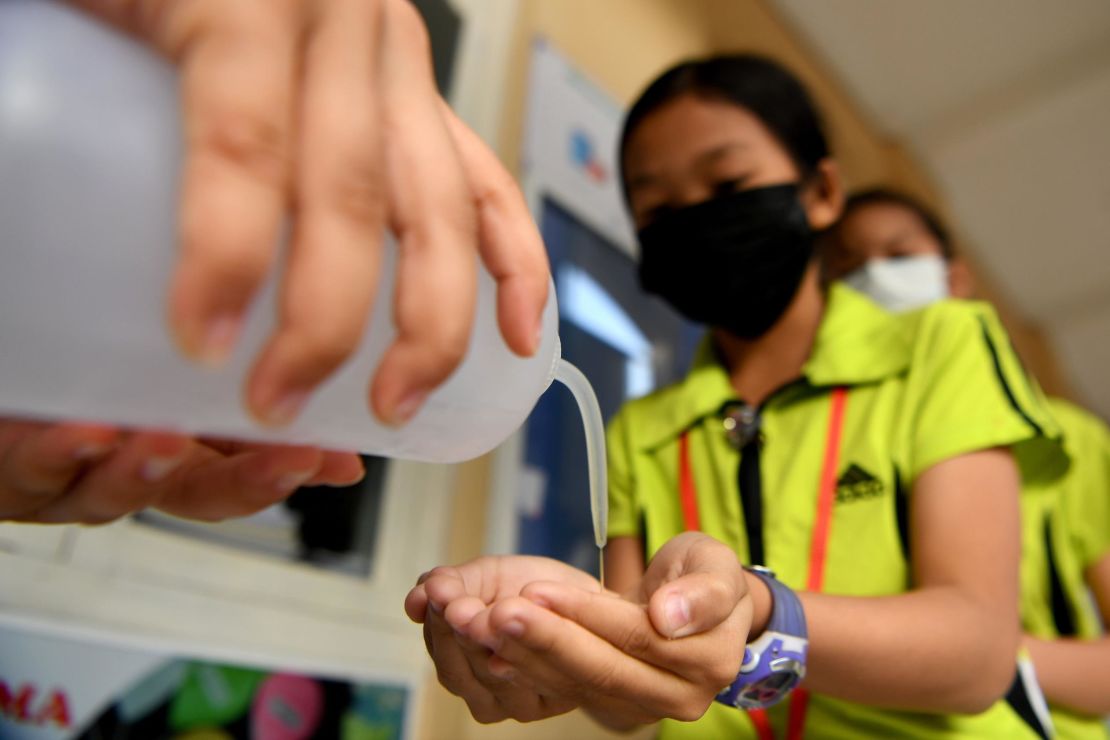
857 484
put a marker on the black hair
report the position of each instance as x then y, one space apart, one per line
755 83
887 196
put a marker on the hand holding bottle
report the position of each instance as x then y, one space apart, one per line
324 116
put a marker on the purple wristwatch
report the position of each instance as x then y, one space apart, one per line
776 662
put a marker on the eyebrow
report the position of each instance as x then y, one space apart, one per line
703 159
900 236
719 151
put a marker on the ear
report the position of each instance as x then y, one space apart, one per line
961 283
823 195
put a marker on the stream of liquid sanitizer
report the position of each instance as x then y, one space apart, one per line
592 423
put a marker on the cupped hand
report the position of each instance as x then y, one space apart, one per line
516 643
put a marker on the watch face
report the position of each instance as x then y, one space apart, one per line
779 681
768 691
773 665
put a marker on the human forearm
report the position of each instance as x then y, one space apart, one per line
935 649
938 649
1074 674
951 644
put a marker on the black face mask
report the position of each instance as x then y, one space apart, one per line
735 261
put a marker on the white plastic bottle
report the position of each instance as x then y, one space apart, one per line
89 156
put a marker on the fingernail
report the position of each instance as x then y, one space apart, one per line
355 478
156 469
286 408
538 336
677 610
490 642
219 339
290 482
504 672
408 406
512 628
437 608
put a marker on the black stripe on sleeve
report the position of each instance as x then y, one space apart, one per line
902 513
1018 699
1062 615
1002 379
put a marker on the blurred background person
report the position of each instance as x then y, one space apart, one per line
893 249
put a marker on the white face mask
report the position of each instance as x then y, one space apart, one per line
903 283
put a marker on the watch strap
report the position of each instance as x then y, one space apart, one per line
787 615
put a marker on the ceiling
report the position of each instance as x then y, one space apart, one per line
1007 103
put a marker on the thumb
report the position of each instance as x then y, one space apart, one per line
692 584
694 603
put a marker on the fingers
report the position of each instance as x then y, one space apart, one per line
470 610
338 469
335 254
39 461
330 108
512 694
416 603
291 103
488 579
444 585
692 604
455 669
466 668
492 578
211 486
132 478
692 584
237 73
433 216
462 667
573 663
84 473
511 247
703 658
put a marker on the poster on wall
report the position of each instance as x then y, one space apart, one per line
570 146
55 687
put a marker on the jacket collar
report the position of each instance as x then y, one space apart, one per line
858 342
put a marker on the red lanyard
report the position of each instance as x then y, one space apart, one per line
818 547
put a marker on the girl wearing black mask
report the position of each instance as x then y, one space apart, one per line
863 457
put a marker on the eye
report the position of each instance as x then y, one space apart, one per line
728 187
650 215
